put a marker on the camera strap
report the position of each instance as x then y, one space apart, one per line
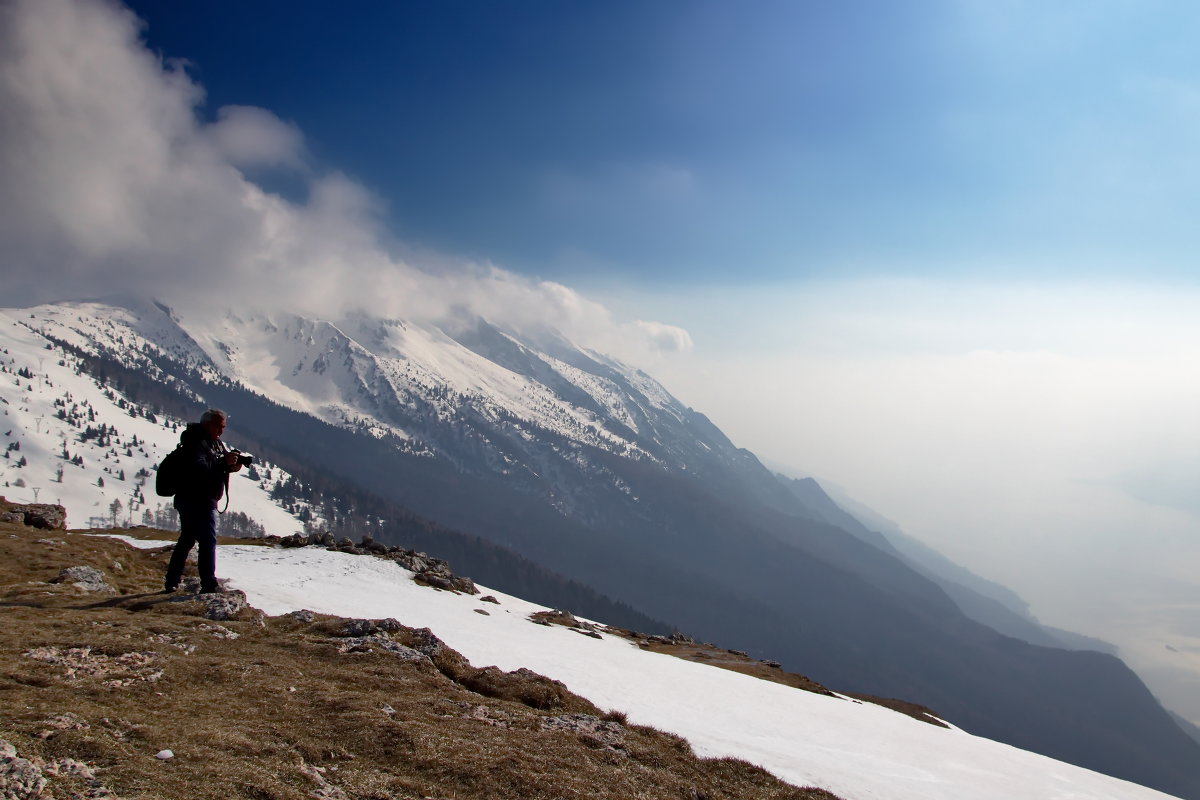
224 450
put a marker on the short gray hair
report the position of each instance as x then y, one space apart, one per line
213 413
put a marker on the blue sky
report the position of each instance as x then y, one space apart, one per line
718 143
938 252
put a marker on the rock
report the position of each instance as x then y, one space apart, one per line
487 598
13 516
608 734
366 644
19 777
89 579
481 611
66 721
774 664
680 638
224 605
218 631
303 615
433 572
42 515
586 632
424 641
566 619
369 627
163 755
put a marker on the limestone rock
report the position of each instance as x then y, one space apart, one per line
19 777
40 515
223 605
89 579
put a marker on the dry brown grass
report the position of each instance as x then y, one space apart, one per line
286 708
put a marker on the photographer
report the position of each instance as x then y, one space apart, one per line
203 479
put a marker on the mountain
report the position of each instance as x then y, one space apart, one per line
982 600
358 682
592 470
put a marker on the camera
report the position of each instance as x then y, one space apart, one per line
245 459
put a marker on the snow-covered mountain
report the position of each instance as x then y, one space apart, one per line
70 440
592 470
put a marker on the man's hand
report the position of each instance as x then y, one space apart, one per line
231 462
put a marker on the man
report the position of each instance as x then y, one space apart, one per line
204 470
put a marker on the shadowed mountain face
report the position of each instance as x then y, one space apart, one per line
593 470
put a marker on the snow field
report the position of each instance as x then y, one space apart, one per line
857 750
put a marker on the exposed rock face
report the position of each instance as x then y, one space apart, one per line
37 515
89 579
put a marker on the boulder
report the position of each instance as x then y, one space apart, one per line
223 605
89 579
38 515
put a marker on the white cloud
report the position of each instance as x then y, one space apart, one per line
254 137
110 183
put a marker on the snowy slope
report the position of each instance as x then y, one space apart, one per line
858 751
361 369
49 414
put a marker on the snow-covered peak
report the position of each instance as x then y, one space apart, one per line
373 370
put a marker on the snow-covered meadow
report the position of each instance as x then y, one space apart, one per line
856 750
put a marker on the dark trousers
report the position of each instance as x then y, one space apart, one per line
197 526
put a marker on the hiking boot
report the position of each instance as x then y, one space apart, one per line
213 589
169 590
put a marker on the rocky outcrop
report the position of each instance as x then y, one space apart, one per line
224 604
36 515
567 620
429 571
89 579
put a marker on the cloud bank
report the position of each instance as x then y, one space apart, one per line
112 183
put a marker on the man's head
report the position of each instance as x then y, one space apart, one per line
213 422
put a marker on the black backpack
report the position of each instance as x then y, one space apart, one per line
166 482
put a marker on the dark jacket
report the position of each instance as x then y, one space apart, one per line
202 471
